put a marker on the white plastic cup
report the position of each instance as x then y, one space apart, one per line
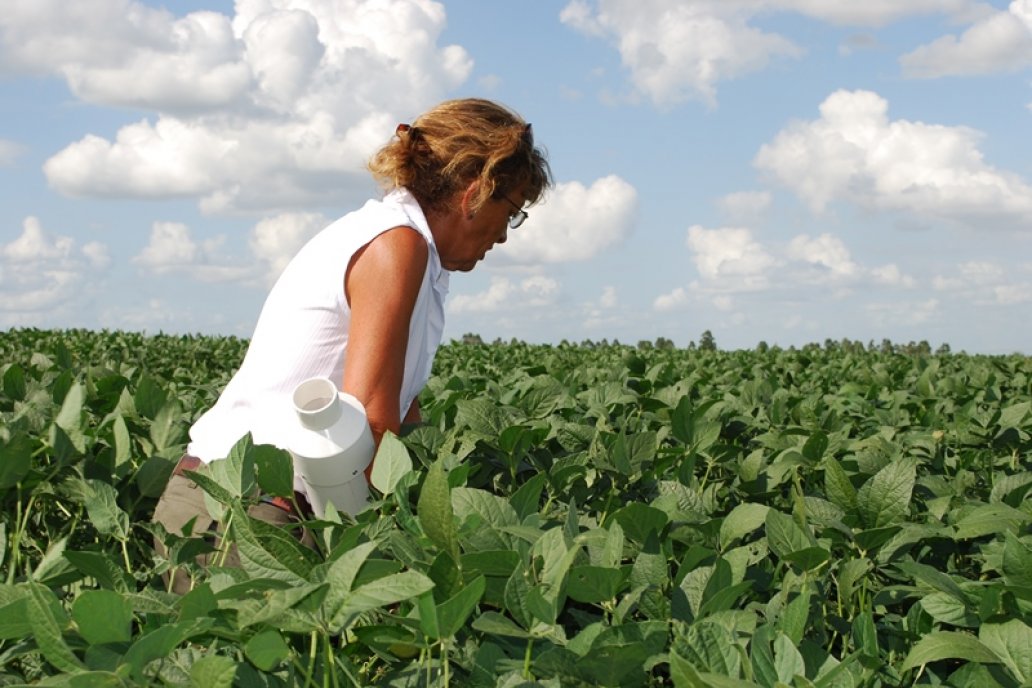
331 446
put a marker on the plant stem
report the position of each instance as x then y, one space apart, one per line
526 659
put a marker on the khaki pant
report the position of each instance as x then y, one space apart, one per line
183 500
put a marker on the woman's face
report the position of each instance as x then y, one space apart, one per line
477 235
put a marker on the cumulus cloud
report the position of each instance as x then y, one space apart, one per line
672 300
43 276
854 152
730 260
986 283
677 50
574 223
273 242
504 294
745 205
278 105
730 254
1002 41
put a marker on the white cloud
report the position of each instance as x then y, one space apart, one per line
273 242
9 152
506 295
676 50
574 223
826 251
608 298
279 105
855 153
679 50
672 300
730 255
876 12
999 42
1009 294
745 205
43 276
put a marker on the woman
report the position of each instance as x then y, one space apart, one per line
363 301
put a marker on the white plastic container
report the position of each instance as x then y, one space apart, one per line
331 446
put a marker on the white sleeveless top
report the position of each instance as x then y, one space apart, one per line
302 331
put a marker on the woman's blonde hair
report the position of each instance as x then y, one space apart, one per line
459 142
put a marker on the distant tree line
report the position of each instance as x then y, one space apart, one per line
707 342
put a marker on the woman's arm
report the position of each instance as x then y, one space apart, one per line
381 285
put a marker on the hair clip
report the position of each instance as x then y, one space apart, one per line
402 129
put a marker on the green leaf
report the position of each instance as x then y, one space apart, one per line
434 510
948 645
592 584
838 487
391 462
167 429
267 649
638 520
787 661
17 460
493 623
213 671
989 519
69 418
275 470
453 612
1017 561
102 616
784 535
527 499
885 499
1012 643
742 520
48 619
102 505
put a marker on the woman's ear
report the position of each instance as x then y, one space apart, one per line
469 199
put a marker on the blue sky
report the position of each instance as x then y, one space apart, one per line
778 170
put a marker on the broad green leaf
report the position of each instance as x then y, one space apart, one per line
933 578
267 649
1012 643
387 590
453 612
787 661
213 671
167 430
16 461
48 620
493 623
592 584
102 616
434 510
70 417
638 520
784 535
837 486
709 647
1017 561
815 446
149 397
742 520
795 617
989 519
885 499
391 462
105 514
527 499
948 645
275 470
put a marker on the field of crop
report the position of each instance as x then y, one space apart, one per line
567 515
